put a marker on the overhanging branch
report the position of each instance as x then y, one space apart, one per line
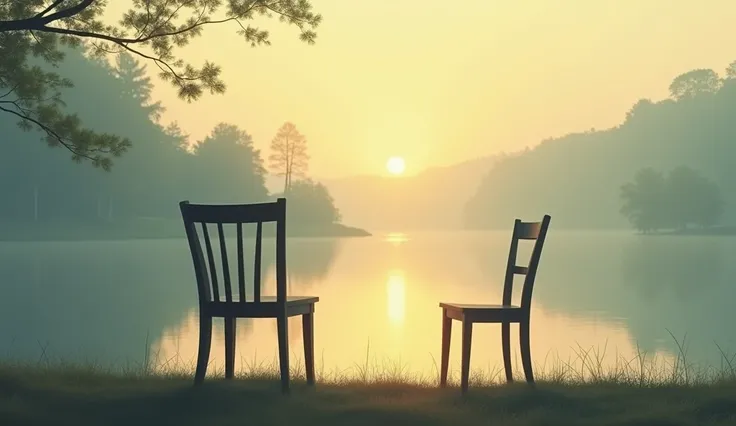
39 21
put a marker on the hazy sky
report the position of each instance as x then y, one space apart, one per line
439 82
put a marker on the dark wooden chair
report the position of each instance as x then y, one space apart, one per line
504 314
236 305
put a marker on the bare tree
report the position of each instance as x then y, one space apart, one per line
289 154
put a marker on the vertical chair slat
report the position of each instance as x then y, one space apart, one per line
241 264
281 276
257 264
211 262
225 266
508 284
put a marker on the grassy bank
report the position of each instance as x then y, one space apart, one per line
640 391
144 228
35 397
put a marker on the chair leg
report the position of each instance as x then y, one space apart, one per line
526 356
308 337
446 334
283 331
506 347
465 363
230 347
203 353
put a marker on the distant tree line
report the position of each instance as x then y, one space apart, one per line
577 177
654 201
160 169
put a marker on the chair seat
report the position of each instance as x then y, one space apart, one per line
483 313
266 308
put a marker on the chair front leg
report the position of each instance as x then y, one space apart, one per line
283 332
308 337
230 332
445 355
465 364
506 348
526 356
203 352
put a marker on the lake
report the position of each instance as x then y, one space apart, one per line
123 302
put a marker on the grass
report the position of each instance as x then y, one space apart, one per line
643 390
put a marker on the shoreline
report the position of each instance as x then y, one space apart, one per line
715 231
148 229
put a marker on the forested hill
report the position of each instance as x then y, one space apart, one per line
577 178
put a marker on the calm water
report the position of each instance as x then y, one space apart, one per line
123 302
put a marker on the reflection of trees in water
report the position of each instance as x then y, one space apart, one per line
309 261
95 301
686 266
681 284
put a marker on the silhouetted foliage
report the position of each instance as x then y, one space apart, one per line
289 156
694 83
577 178
652 202
34 31
226 159
645 200
310 203
137 85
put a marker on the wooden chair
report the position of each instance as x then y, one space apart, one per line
236 306
504 314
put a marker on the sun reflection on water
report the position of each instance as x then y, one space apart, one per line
396 290
396 238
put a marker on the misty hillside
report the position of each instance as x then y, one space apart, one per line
432 199
577 178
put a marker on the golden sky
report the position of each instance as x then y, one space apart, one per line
438 82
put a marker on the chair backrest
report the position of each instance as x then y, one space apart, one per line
525 231
239 214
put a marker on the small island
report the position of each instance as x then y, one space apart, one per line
683 202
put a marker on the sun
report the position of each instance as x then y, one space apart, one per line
395 165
